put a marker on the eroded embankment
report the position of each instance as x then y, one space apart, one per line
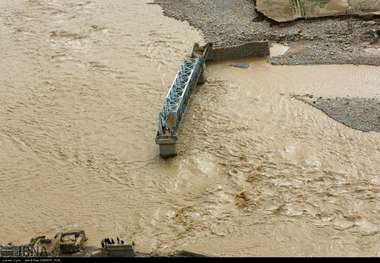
340 40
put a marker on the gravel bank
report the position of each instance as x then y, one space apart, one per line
340 40
358 113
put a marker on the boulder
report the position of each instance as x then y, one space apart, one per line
289 10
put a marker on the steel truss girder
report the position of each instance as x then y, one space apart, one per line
176 101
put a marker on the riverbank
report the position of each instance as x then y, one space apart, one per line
339 40
362 114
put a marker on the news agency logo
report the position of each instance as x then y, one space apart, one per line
22 251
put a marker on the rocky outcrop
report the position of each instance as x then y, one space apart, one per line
289 10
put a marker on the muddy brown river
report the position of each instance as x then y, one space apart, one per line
258 172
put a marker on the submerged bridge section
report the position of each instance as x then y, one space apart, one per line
187 78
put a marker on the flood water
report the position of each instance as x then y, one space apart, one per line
258 172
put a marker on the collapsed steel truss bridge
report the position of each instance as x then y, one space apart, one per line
187 78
